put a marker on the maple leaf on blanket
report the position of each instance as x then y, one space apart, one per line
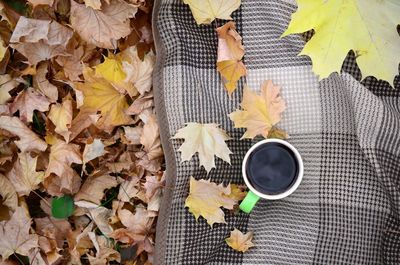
15 236
239 241
208 140
260 112
206 199
204 12
367 27
230 54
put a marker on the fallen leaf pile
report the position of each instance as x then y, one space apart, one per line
80 154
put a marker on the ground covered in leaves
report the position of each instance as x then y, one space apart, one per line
81 165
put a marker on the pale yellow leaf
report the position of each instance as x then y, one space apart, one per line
239 241
204 12
260 112
206 199
102 27
3 49
28 140
95 4
208 140
93 150
24 176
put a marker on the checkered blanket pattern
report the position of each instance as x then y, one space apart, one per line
346 210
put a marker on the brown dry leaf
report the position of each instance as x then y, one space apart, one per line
137 71
206 199
40 40
9 198
239 241
238 192
79 243
137 228
95 4
27 101
61 116
41 83
205 139
105 252
53 233
72 65
62 155
260 112
100 95
36 3
129 189
140 104
230 54
152 185
150 138
84 119
93 188
28 140
24 176
15 236
7 83
102 28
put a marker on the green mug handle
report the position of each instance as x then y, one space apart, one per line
249 202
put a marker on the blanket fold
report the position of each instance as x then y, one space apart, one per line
346 210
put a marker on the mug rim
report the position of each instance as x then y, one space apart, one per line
286 192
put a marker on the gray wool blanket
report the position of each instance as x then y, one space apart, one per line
346 210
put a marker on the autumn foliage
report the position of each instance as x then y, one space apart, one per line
80 155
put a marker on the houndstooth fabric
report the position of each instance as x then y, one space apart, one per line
346 210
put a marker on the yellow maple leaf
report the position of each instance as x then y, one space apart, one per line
205 139
230 54
238 192
204 12
61 116
239 241
260 112
368 27
100 95
24 176
3 49
111 69
206 199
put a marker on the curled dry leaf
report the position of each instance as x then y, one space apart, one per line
230 54
102 27
105 252
61 116
93 188
7 83
260 112
205 139
40 40
93 150
129 189
27 101
72 64
150 138
24 176
15 236
41 83
28 140
204 12
239 241
100 216
206 199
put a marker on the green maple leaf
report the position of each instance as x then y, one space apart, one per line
368 27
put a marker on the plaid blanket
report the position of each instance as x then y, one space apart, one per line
346 210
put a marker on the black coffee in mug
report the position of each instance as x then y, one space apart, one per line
272 168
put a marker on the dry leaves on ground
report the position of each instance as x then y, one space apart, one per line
78 131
